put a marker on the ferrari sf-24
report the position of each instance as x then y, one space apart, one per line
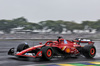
61 47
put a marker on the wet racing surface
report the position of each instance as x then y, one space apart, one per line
6 60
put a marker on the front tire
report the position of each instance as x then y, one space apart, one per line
47 53
22 47
89 51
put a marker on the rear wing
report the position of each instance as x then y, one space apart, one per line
82 40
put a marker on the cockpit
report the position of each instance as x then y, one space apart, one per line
62 41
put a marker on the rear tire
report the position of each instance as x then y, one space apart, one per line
89 51
22 47
47 53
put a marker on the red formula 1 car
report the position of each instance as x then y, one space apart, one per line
61 47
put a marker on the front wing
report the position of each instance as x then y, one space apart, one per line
24 53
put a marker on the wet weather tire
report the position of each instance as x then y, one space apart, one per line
47 53
22 47
89 51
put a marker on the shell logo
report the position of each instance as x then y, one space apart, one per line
68 50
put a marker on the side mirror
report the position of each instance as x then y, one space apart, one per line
40 42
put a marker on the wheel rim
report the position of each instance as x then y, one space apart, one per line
49 53
92 51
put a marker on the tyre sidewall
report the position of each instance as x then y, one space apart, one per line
86 51
44 53
22 47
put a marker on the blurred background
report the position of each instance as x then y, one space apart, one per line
47 19
20 28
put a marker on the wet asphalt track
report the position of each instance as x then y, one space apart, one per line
6 60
